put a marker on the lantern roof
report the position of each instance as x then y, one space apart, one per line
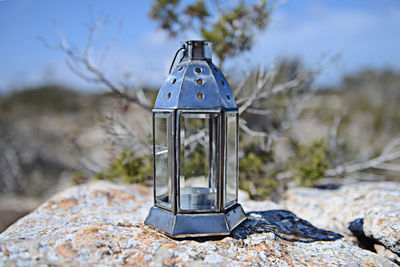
196 83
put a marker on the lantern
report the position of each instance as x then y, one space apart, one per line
195 149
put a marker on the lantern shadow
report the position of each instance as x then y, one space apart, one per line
283 224
357 228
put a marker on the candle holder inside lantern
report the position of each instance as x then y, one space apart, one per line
195 149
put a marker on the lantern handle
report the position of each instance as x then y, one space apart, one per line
176 54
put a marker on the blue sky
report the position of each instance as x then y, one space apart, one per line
365 33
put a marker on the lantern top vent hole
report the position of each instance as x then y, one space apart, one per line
195 71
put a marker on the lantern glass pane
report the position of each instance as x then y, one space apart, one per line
162 158
198 161
231 163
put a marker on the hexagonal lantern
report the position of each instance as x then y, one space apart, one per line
195 149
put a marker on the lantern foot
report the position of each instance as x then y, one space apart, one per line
196 225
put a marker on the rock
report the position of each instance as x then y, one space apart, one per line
102 223
387 253
370 210
382 223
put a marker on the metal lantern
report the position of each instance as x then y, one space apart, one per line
195 149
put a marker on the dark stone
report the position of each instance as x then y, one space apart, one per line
357 228
285 225
328 186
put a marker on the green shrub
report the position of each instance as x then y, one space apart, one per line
79 177
195 164
130 169
253 177
311 162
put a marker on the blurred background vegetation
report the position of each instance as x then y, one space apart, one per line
292 133
48 132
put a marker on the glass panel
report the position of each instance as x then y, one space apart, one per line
198 161
231 164
162 149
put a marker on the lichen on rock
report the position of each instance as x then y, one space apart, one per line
102 223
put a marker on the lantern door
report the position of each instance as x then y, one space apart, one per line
163 152
231 159
198 161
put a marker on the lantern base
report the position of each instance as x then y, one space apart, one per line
196 225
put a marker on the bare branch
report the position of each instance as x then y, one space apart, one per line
261 83
79 73
294 111
81 65
46 44
277 89
64 42
392 145
388 167
240 86
371 163
13 163
243 126
367 176
256 111
84 161
333 133
110 44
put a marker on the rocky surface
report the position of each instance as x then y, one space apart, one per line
103 223
383 224
369 210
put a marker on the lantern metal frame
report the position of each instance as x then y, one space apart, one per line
176 98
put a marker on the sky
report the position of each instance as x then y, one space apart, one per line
366 34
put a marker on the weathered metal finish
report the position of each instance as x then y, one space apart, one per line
197 49
197 86
190 78
196 225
